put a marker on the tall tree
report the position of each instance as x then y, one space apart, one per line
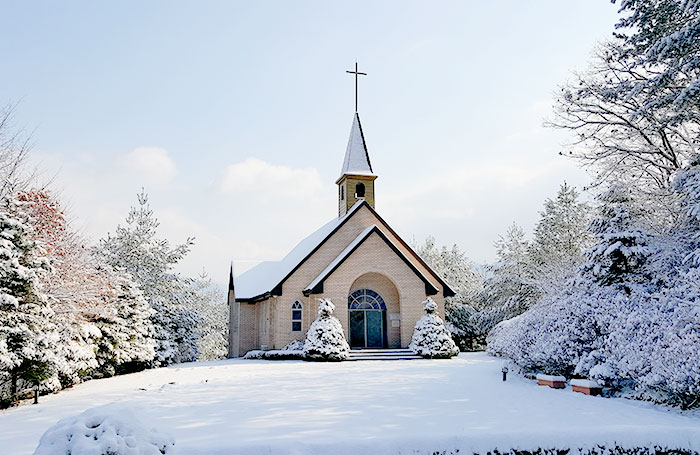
210 303
560 237
149 260
27 334
620 248
635 111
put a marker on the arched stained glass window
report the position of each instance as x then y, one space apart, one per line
365 299
296 316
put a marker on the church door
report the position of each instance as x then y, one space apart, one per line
367 319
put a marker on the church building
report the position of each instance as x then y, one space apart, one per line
374 278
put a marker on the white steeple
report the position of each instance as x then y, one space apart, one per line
356 157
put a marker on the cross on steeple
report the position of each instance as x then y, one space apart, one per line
356 73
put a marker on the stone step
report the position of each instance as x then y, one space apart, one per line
382 354
382 351
377 357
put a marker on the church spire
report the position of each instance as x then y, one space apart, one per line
357 177
356 156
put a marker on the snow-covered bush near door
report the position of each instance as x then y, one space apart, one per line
431 338
107 430
326 338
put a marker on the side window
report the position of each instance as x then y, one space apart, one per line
360 190
296 316
342 193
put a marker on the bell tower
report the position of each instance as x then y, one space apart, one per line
356 180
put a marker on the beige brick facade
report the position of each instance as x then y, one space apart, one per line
373 265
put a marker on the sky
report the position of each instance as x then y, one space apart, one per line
234 116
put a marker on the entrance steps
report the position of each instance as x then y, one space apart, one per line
382 354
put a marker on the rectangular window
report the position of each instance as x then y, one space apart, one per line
296 315
296 326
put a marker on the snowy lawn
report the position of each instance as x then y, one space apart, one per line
357 407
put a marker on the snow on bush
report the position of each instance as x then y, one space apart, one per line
431 338
106 430
293 350
294 345
326 338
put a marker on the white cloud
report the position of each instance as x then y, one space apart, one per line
153 165
256 177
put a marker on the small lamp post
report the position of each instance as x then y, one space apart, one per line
36 392
504 370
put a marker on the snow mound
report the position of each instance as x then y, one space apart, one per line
431 339
105 430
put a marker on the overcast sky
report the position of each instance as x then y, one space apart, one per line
235 115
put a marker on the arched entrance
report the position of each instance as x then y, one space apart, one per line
367 319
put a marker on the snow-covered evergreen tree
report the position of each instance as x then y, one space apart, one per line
621 249
210 303
136 250
27 334
325 339
509 290
457 270
431 339
125 336
560 237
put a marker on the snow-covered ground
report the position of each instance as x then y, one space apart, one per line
295 407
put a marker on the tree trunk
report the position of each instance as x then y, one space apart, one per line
13 385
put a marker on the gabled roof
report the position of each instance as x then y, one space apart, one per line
316 286
259 282
356 157
266 278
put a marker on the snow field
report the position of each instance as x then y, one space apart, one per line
295 407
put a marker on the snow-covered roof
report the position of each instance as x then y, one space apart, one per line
265 276
316 286
356 157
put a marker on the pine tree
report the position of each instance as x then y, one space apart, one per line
325 339
209 302
125 336
26 331
560 237
136 250
431 339
620 249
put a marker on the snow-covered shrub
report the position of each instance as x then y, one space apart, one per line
106 430
640 342
293 350
431 339
294 345
255 354
326 338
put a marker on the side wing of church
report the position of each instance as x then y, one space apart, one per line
375 279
